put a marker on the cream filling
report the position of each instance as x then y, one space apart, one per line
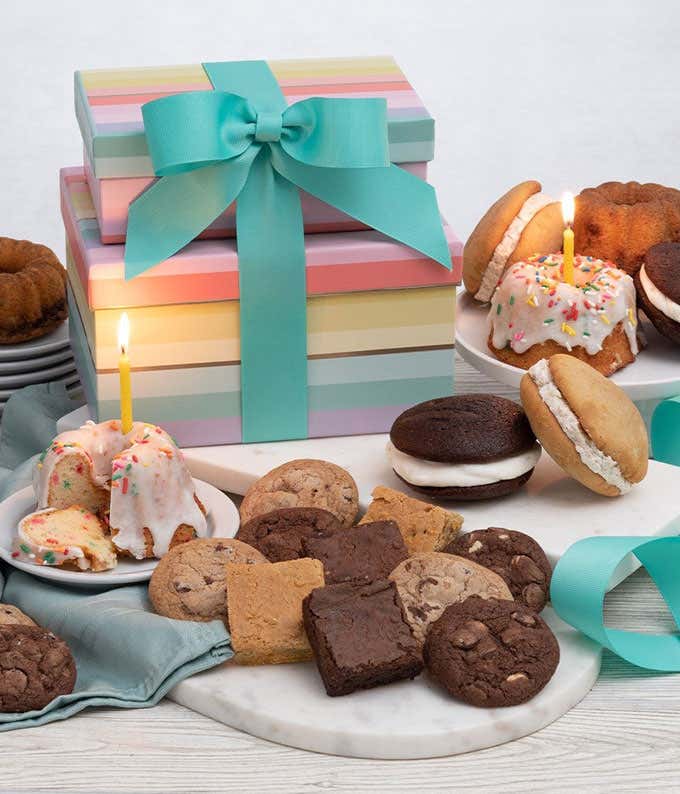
434 474
494 270
658 299
590 455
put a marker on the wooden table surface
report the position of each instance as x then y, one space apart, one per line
624 736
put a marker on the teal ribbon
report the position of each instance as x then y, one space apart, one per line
580 582
241 142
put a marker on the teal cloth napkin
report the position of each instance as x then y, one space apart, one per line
127 656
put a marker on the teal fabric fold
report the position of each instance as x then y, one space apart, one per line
580 582
665 431
127 656
242 142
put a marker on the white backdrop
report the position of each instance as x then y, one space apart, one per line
571 93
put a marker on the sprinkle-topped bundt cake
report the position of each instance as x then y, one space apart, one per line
535 314
137 481
32 291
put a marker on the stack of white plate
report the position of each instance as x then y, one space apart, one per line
42 360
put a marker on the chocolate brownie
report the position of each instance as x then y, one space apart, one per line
491 653
279 534
363 553
514 556
467 428
359 636
35 667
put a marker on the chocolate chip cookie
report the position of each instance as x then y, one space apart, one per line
35 667
514 556
13 616
189 582
279 534
430 581
304 483
491 653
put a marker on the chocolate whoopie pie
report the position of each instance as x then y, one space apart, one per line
467 447
658 289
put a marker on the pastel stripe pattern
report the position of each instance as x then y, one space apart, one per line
207 270
108 105
112 199
201 405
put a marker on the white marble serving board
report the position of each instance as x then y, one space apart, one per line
287 703
410 719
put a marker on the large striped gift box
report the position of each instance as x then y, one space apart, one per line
380 328
108 107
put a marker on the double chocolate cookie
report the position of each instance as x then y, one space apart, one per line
35 667
468 447
514 556
279 534
491 653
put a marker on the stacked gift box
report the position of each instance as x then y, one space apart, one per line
380 315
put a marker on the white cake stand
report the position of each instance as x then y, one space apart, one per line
654 375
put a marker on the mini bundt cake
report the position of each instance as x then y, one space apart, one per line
32 291
535 314
621 221
137 482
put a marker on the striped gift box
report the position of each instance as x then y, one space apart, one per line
380 328
108 108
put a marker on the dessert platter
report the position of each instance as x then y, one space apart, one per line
518 307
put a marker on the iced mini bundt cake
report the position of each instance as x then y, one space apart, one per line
535 314
137 482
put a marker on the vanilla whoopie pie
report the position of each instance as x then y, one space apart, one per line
658 289
586 423
524 221
468 447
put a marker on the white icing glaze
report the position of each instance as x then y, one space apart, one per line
460 475
532 305
664 304
494 270
150 484
590 454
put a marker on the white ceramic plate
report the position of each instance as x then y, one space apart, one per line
655 374
18 380
223 521
37 364
71 379
37 347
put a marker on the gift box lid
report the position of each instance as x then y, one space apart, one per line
108 105
207 270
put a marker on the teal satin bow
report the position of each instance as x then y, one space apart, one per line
242 142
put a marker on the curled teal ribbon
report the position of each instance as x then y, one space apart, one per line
242 142
580 582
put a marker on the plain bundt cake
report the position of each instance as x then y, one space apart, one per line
621 221
137 481
32 291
